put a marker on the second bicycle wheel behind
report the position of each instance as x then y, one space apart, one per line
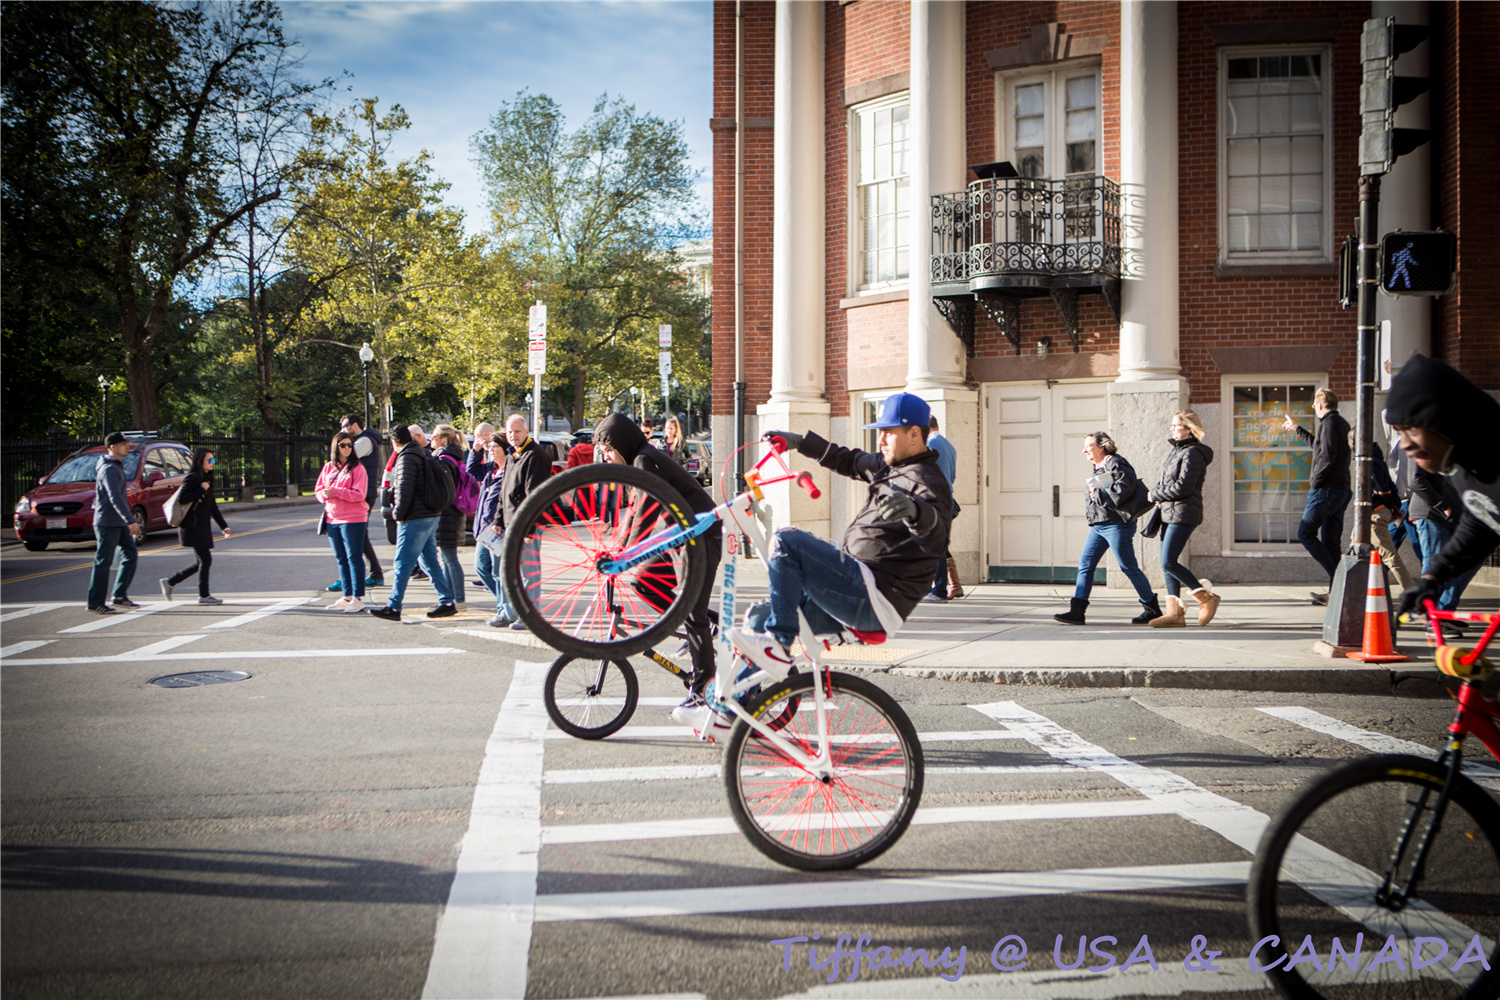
557 552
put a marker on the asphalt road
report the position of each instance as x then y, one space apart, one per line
382 810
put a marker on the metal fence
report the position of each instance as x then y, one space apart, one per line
249 464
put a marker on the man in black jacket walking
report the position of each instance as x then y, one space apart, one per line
891 549
416 528
1322 528
525 469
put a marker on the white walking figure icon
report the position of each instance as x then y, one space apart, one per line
1401 258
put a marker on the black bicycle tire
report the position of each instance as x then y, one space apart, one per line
1263 898
573 729
742 735
537 504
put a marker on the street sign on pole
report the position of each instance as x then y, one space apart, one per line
536 358
537 322
664 363
664 336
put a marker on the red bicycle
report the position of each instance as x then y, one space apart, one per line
1382 877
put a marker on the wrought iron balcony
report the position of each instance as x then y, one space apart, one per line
1006 238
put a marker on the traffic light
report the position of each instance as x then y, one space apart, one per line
1417 263
1382 92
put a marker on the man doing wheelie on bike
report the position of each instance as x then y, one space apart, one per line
1447 426
890 553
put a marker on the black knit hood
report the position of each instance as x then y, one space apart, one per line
1429 394
622 435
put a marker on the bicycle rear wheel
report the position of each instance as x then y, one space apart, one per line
567 527
590 699
1325 855
795 819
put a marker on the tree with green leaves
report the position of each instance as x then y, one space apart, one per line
124 115
389 256
599 209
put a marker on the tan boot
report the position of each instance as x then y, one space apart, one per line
1208 603
1175 617
955 589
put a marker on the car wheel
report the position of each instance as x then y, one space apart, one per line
140 518
35 545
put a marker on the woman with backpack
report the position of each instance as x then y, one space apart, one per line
1179 495
449 446
1108 505
341 487
196 529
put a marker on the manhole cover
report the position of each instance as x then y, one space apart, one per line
201 677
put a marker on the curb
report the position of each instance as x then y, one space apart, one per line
1377 681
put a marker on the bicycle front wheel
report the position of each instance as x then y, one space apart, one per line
800 821
1316 892
554 551
590 699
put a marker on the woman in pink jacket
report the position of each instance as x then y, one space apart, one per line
341 487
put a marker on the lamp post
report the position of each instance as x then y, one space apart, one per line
104 407
366 355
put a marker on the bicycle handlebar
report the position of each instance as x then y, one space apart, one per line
805 480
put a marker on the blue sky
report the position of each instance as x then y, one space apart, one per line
452 64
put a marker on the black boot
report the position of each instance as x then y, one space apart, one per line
1074 615
1149 610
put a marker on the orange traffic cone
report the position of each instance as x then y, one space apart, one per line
1377 645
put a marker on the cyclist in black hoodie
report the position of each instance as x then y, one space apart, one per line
622 442
1447 426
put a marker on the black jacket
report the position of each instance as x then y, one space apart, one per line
1330 464
621 434
450 522
1428 393
903 556
409 484
525 468
1180 491
1102 506
196 530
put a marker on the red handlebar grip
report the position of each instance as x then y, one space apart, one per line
778 443
804 480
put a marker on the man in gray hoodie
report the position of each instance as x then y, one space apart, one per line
114 526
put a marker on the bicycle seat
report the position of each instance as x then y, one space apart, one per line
865 638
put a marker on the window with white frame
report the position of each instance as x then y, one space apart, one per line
1049 130
1275 158
882 241
1269 467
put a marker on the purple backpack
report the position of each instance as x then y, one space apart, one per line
466 488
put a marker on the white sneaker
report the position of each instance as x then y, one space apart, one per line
764 650
461 605
696 714
354 607
339 605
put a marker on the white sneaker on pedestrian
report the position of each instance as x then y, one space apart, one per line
339 605
695 713
354 607
166 588
764 650
209 600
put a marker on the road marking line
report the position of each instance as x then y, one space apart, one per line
1236 823
13 615
258 654
145 551
155 649
279 606
718 826
689 772
883 892
1376 742
21 647
115 619
483 942
658 732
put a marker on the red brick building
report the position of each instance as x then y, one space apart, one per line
1049 218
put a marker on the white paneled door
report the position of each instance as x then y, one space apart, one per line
1034 475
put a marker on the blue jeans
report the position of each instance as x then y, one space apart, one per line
1174 538
109 540
1398 532
529 568
487 565
816 576
1434 536
1120 539
1322 529
453 570
348 541
416 541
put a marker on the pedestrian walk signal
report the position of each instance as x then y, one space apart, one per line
1418 263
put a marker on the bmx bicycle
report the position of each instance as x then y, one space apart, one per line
1391 853
823 770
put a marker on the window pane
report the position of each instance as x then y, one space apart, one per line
1307 154
1275 114
1079 125
1030 163
1244 157
1307 193
1275 155
1307 113
1244 195
1242 69
1030 131
1080 92
1029 99
1080 157
882 127
1244 233
1307 231
1275 232
1244 118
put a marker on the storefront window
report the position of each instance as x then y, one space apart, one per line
1271 465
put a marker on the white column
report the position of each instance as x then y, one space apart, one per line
797 401
1405 196
1148 183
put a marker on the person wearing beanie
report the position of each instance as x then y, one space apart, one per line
1447 427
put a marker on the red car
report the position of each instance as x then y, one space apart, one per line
61 509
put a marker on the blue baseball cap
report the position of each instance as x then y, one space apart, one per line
902 410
